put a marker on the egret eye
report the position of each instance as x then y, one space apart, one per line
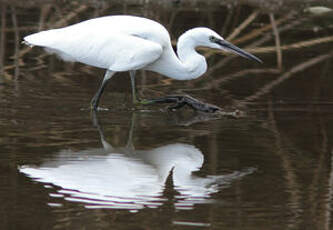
212 38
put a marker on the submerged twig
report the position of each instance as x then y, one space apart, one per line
2 41
242 73
267 88
296 45
182 100
17 43
277 41
44 12
256 32
243 25
227 21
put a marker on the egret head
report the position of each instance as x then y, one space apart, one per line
209 38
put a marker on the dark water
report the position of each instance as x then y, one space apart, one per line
63 167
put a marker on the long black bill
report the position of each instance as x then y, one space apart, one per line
228 46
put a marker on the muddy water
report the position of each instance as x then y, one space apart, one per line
63 167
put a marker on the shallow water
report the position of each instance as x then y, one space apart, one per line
63 167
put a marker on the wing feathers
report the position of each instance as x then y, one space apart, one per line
105 49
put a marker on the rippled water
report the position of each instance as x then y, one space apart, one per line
64 167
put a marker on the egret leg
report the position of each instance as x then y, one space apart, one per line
132 75
95 101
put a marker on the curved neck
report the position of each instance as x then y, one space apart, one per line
188 65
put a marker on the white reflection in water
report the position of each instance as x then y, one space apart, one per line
130 179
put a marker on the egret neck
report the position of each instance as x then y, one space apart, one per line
188 65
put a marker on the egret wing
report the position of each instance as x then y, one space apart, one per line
112 50
119 52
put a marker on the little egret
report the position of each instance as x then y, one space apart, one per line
129 43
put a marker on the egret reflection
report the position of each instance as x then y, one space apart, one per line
126 178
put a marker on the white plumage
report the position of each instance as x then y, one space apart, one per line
129 43
98 42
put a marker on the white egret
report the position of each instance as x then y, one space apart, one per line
129 43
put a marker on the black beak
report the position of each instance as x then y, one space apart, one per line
228 46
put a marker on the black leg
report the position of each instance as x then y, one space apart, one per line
95 101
